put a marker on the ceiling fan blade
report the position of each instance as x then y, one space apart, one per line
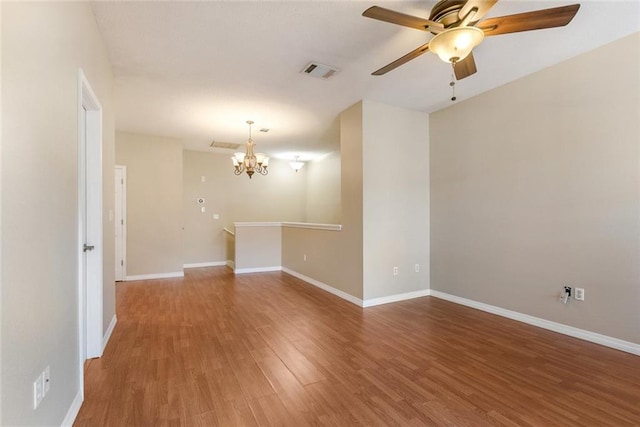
536 20
398 18
398 62
465 68
481 7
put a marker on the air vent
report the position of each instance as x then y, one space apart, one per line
227 145
321 71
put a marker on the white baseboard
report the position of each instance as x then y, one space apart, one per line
72 413
395 298
231 264
205 264
594 337
256 270
325 287
107 334
155 276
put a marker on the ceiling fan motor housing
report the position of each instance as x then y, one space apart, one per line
446 12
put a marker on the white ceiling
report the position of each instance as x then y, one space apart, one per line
198 70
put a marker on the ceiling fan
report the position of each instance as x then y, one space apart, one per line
457 29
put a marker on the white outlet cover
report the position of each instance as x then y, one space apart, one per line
46 380
38 391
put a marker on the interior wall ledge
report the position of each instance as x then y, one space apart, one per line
257 224
314 226
307 225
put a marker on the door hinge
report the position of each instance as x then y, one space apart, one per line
122 181
122 222
122 262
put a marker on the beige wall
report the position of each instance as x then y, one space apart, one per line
43 46
536 185
335 257
276 197
323 189
385 208
154 208
204 238
1 275
258 246
395 200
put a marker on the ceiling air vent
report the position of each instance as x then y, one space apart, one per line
322 71
227 145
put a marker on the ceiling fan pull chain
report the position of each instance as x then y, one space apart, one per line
452 83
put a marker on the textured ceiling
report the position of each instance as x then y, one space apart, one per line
198 70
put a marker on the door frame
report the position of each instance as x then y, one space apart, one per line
90 320
122 205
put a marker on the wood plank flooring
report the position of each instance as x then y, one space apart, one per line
269 350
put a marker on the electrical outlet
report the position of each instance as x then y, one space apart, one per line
417 268
304 257
395 271
46 380
38 391
579 294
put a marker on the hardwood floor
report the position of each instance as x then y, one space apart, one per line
267 349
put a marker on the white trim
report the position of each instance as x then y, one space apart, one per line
256 270
231 264
582 334
228 231
107 335
313 226
257 224
72 413
395 298
325 287
205 264
123 206
155 276
307 225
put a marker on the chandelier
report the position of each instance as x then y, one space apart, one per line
249 162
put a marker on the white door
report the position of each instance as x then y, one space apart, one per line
120 219
89 222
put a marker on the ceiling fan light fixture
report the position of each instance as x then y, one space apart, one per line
455 44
